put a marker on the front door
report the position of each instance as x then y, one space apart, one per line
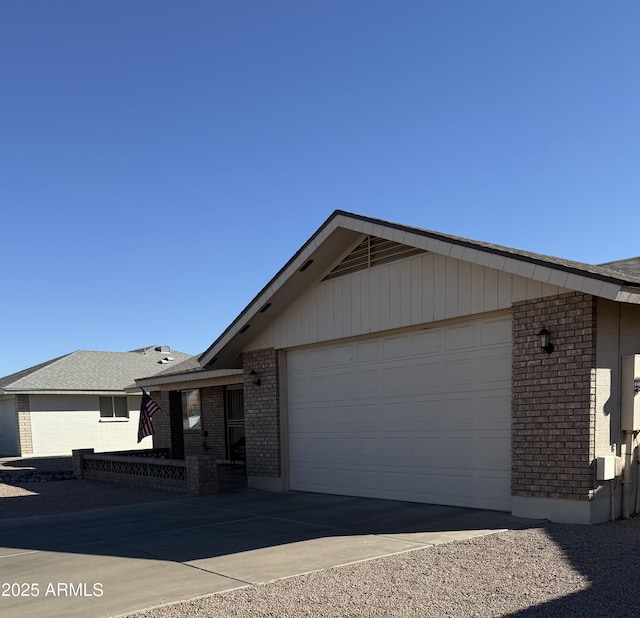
234 421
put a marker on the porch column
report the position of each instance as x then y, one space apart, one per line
262 419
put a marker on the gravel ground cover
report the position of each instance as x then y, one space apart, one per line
43 486
551 570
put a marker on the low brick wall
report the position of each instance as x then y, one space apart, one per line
195 475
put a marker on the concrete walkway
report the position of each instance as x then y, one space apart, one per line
113 561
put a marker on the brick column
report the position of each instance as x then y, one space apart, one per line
202 475
78 466
161 420
553 405
212 400
23 410
262 419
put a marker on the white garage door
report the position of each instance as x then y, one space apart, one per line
422 416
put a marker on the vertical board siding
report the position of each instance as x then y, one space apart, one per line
409 292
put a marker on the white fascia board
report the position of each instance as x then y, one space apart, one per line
248 313
629 295
52 391
497 262
559 278
194 376
511 266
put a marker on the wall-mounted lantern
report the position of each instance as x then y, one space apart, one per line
255 377
544 337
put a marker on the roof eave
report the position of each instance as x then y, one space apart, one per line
352 228
213 375
54 391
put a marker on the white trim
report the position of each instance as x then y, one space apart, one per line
219 375
499 258
556 510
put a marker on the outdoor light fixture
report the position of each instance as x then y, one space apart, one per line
255 378
636 385
544 336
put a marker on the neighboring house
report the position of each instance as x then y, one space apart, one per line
393 362
77 401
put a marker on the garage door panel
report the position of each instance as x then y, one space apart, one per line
494 369
316 418
341 355
495 333
426 374
366 382
368 351
492 410
426 343
396 379
368 449
340 383
422 416
459 372
395 347
427 452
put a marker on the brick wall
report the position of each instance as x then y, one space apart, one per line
209 439
195 441
23 408
212 399
262 413
161 421
553 398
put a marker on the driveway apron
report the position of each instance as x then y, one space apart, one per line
113 561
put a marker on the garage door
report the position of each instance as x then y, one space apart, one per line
422 416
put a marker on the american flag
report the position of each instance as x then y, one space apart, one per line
148 408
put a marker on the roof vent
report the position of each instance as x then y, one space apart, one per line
372 251
163 348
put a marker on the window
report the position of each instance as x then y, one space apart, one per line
191 410
114 407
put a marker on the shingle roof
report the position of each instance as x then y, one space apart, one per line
189 365
604 271
618 281
630 266
86 370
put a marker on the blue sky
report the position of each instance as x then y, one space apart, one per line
160 161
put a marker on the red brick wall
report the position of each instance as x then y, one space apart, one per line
553 398
262 413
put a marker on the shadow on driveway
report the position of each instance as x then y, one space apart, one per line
143 555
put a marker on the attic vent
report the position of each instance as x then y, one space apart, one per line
163 348
371 252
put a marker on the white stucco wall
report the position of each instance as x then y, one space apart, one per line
61 423
8 426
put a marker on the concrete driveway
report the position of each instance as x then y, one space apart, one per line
114 561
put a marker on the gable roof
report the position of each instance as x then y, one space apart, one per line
629 266
85 371
343 231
